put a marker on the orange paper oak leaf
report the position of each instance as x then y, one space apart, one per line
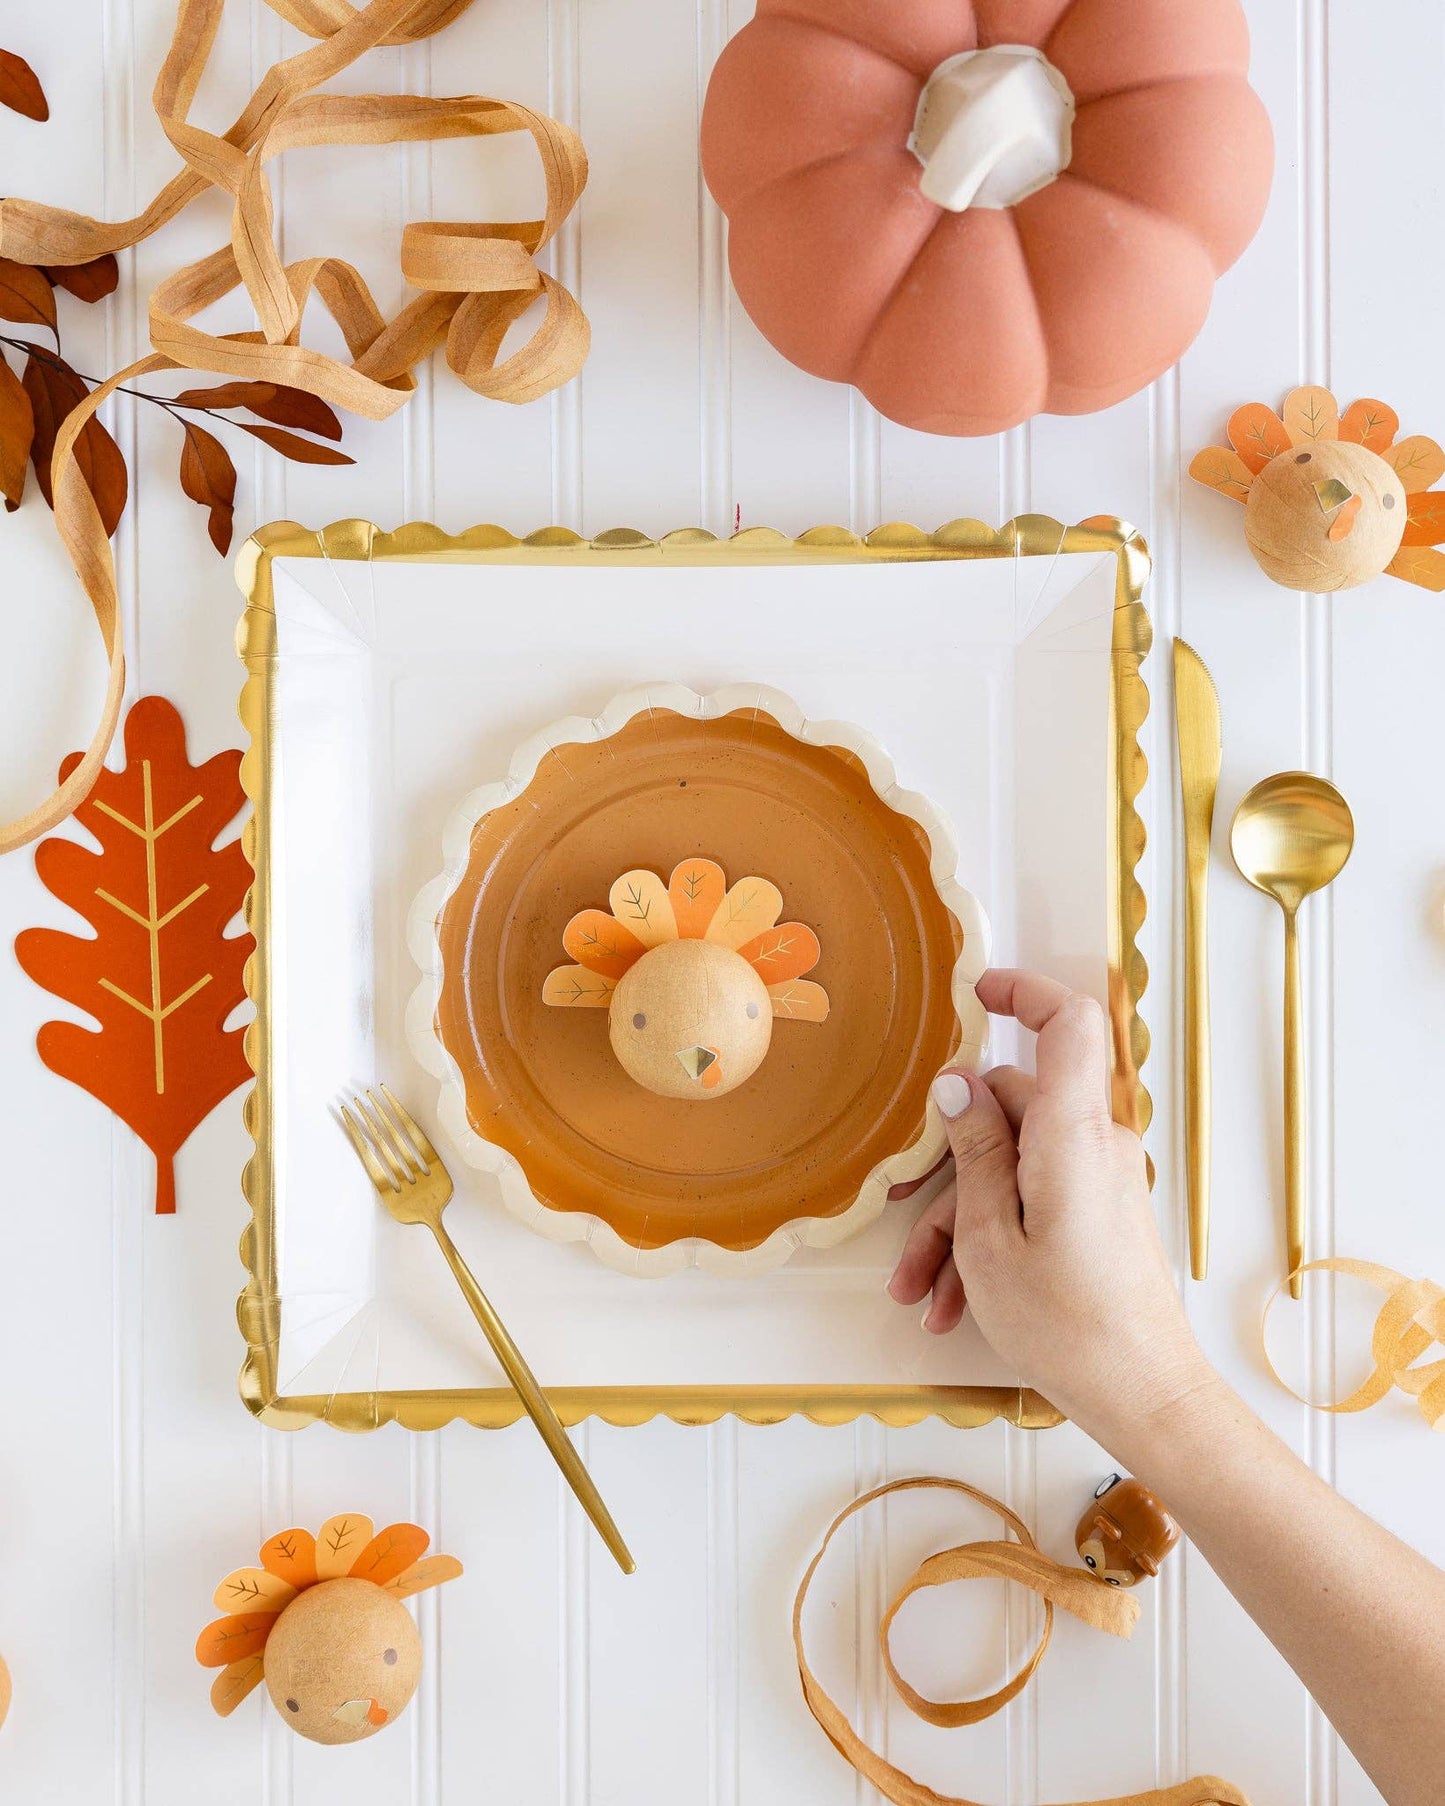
159 973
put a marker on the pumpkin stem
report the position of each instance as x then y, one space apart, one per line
993 126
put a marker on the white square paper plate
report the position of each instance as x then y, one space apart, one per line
392 674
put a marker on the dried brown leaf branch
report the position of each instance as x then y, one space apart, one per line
20 88
33 408
34 405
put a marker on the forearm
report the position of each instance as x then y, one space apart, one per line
1358 1615
1042 1182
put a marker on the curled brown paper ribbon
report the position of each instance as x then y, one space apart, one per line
1411 1320
476 279
1091 1600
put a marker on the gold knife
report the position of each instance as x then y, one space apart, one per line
1196 716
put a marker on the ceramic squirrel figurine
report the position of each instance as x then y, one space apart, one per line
1125 1533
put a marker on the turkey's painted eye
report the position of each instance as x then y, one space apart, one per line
389 1657
752 1012
292 1706
1387 501
1113 1583
1304 458
639 1020
1089 1562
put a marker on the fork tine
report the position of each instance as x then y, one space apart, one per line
379 1175
386 1138
412 1127
400 1140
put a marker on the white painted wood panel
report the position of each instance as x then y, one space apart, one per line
130 1476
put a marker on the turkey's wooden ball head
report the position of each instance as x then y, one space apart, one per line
1325 517
691 1020
342 1661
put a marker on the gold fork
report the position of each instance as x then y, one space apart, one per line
415 1187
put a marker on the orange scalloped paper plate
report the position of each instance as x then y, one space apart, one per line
804 1152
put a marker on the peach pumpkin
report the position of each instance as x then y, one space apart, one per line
1085 218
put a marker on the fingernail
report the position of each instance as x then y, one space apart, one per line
951 1093
888 1285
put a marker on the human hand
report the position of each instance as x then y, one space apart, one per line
1047 1232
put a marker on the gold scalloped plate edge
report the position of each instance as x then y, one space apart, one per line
897 1407
258 1309
912 1162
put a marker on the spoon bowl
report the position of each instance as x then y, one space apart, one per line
1291 836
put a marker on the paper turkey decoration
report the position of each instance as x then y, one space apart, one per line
691 974
1332 500
986 210
321 1621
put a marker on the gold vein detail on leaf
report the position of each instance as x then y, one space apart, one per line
157 1009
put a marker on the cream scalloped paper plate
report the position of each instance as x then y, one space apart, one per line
566 1182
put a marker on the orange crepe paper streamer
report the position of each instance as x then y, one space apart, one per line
1411 1320
5 1691
476 278
159 974
1078 1591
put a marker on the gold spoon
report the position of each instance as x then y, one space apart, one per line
1291 836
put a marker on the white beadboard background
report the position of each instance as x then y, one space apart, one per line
131 1478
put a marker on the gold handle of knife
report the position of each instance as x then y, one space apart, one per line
1196 714
1197 1098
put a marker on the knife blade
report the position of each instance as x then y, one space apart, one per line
1196 717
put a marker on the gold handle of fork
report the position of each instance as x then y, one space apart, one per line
538 1407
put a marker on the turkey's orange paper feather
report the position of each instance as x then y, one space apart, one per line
159 973
291 1556
234 1639
1371 424
390 1553
696 887
601 944
1258 434
785 952
1426 523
